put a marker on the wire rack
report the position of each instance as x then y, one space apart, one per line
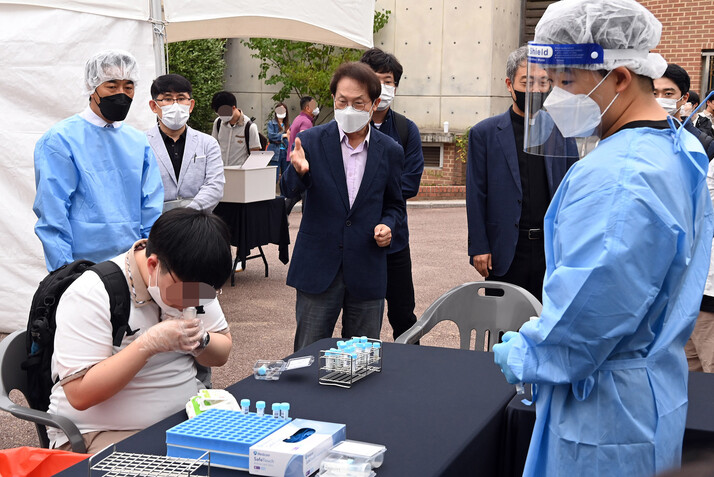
124 464
342 369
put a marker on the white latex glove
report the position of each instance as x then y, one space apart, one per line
172 335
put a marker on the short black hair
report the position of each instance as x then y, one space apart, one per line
223 98
193 245
304 101
383 62
170 84
361 73
679 76
694 97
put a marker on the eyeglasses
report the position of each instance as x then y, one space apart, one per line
169 100
358 105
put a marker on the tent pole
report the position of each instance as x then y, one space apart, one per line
157 19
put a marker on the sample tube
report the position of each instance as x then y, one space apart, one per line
376 349
284 410
245 405
260 408
368 352
276 410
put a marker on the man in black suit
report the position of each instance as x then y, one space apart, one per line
351 174
508 190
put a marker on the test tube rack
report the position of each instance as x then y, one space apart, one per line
227 434
122 464
342 369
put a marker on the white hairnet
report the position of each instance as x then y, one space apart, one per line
612 24
109 65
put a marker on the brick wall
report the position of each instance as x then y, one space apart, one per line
687 29
447 182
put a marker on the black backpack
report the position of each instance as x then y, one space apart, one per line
39 338
246 133
400 123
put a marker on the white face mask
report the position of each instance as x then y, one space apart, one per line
174 116
316 111
280 116
155 293
351 120
386 97
669 105
575 115
225 119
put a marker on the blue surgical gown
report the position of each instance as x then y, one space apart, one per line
628 239
98 191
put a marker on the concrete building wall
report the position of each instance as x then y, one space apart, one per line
453 52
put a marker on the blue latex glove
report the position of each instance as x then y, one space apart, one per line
500 356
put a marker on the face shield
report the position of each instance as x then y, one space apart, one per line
567 121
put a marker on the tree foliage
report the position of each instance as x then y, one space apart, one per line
302 68
202 63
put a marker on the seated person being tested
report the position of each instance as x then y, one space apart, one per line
112 392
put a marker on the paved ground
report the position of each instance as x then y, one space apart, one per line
261 311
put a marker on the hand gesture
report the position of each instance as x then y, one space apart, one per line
297 158
482 264
172 335
382 235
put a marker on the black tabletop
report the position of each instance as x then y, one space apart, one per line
439 411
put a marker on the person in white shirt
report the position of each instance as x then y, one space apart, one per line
111 392
229 129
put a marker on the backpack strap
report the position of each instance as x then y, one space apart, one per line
248 124
400 122
119 300
218 125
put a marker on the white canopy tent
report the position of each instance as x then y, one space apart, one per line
44 47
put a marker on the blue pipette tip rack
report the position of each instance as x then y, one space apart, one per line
227 434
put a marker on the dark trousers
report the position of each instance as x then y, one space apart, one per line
317 314
528 267
400 291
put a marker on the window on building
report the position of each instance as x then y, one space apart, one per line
708 71
433 155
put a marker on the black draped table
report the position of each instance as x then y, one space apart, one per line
439 411
698 434
255 224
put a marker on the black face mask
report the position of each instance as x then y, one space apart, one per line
115 107
536 102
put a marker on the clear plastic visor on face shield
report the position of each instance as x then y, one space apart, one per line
565 121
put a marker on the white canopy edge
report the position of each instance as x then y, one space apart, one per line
127 9
346 23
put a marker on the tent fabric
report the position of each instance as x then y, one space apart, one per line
128 9
43 65
345 23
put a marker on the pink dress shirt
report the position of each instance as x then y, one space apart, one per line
355 161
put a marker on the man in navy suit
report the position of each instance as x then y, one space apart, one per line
351 174
508 190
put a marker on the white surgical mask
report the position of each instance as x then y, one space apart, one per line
175 115
225 119
155 293
281 116
350 120
575 115
669 105
386 97
316 111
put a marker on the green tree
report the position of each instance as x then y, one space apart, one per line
302 68
202 63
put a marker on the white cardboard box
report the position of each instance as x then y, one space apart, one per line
249 185
274 457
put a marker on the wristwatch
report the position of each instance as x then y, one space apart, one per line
204 342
